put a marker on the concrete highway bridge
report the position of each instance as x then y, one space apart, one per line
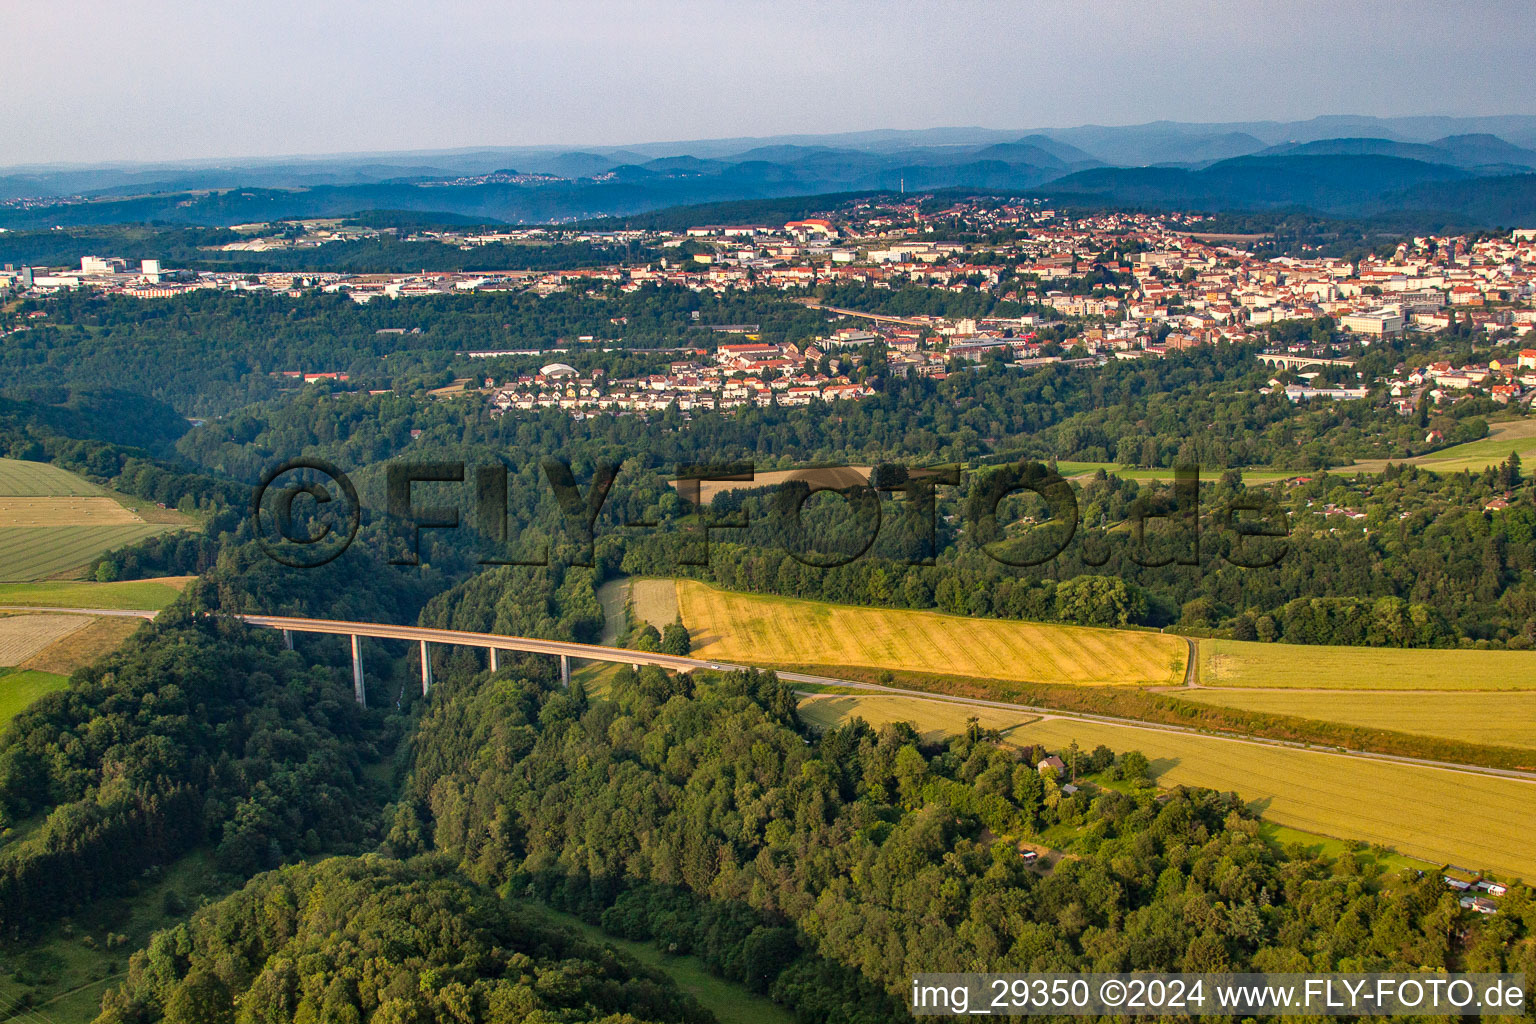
493 643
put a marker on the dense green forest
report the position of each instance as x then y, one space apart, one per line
694 812
1423 563
197 731
208 353
370 939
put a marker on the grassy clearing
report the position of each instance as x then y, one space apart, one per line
85 646
1334 849
22 636
20 688
1474 456
613 596
131 595
64 974
596 676
1242 663
1500 719
786 631
38 552
1439 816
729 1002
1077 470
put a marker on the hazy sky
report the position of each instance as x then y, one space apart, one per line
154 79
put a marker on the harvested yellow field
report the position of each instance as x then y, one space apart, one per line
933 719
1446 817
1498 719
64 511
22 636
785 631
1242 663
85 646
655 602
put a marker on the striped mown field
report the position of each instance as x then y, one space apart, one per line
830 476
778 631
19 479
53 522
37 552
934 719
1446 817
1293 666
1498 719
655 601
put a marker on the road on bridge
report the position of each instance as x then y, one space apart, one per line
594 652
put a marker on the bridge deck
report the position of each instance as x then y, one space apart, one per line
490 641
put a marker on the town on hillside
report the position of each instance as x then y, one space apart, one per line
1082 290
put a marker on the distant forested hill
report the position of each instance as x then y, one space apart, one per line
1349 183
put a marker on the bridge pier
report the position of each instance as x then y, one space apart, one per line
426 669
357 670
495 659
288 639
565 671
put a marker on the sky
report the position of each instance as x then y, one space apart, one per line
88 81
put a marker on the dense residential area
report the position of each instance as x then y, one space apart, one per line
1082 290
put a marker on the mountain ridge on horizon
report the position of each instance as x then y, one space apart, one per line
1215 166
1412 128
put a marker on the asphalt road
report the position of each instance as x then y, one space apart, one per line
43 610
